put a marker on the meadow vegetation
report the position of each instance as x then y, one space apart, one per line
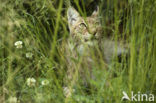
33 68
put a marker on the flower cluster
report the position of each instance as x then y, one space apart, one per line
12 100
31 82
67 91
18 44
45 82
29 55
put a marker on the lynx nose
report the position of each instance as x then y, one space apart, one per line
87 37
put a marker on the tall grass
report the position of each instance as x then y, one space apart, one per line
42 27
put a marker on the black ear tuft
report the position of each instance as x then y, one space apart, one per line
96 12
97 8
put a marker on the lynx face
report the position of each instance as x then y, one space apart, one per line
89 31
84 29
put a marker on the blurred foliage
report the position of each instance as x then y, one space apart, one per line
42 26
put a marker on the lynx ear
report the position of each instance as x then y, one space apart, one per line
73 16
96 12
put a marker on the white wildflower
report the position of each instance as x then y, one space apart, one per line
12 100
45 82
18 44
29 55
67 91
31 82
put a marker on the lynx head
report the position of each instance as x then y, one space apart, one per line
84 29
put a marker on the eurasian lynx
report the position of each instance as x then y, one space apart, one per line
88 32
85 40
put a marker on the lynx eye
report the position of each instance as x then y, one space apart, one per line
82 25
